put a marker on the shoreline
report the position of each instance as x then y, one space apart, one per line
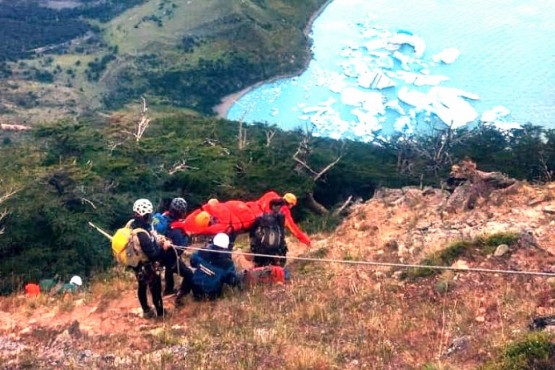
227 101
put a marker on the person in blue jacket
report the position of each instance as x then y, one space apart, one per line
213 269
172 261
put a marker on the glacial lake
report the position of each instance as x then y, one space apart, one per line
385 66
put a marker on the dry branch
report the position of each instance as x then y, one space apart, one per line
8 127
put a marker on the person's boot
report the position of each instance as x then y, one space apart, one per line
169 292
149 314
179 299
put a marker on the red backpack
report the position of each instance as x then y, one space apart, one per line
265 275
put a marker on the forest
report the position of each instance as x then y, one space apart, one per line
26 25
59 176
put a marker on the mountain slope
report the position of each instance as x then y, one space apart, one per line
331 315
182 53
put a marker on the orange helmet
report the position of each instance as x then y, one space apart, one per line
291 199
213 201
202 219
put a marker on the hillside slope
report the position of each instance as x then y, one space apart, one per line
182 53
331 315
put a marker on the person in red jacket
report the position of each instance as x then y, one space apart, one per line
290 201
234 217
231 217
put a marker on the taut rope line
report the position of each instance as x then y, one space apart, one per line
354 262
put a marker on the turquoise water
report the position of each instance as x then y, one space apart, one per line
504 73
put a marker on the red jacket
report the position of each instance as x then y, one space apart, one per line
230 216
264 205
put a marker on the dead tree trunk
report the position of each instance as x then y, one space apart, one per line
302 158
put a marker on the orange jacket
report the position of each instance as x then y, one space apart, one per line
264 205
230 216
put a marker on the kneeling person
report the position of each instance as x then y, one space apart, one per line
214 268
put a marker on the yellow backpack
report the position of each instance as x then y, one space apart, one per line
126 246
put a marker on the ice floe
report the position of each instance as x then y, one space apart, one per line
388 80
447 56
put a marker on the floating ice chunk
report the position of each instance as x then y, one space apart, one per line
403 124
363 132
367 119
432 80
507 126
375 44
416 42
414 98
460 92
448 104
408 77
494 114
447 56
336 82
370 100
395 106
405 60
381 60
375 80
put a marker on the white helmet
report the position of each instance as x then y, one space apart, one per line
221 240
76 280
143 207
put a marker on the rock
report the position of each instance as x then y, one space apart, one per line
501 250
73 330
458 344
391 245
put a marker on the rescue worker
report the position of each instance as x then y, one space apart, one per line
147 273
172 261
290 201
213 269
267 235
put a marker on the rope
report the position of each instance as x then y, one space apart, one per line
374 263
354 262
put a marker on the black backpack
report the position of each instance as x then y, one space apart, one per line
269 235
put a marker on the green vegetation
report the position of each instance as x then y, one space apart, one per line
28 25
179 53
446 257
535 351
67 174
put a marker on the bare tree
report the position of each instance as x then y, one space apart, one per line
9 127
5 196
302 158
143 123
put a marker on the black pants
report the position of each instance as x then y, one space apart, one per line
170 261
149 278
260 261
173 264
187 277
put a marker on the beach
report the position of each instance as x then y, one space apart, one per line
227 102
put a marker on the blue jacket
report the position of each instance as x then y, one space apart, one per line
213 270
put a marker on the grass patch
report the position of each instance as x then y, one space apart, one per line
489 243
483 245
535 351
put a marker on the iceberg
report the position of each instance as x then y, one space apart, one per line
448 104
415 98
494 114
375 80
446 56
416 42
432 80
